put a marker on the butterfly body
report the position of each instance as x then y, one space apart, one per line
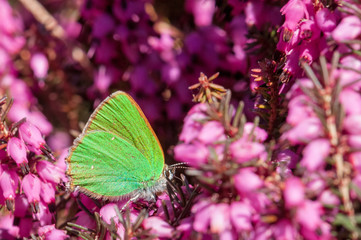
118 154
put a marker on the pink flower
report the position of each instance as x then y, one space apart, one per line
107 212
202 11
47 193
203 211
220 218
83 219
49 232
48 172
31 186
9 183
32 137
348 29
158 226
39 64
294 192
348 98
241 216
17 151
328 198
193 154
352 124
305 131
247 181
243 151
294 11
259 134
309 30
211 131
309 214
315 153
284 230
325 20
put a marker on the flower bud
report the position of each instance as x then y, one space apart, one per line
48 172
31 186
31 135
17 151
9 183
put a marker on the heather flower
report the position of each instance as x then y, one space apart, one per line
159 227
247 181
241 216
193 154
294 192
315 153
31 186
17 151
9 183
31 135
49 172
243 151
348 29
40 65
49 232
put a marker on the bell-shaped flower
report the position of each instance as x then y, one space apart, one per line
31 186
9 183
315 153
40 65
348 29
17 151
49 172
158 227
294 192
193 154
241 216
243 151
247 181
31 135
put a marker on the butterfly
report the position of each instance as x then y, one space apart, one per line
118 155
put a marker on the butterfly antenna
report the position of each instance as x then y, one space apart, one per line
177 165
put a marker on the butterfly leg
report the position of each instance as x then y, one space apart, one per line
133 199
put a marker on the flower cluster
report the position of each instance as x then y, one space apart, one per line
28 180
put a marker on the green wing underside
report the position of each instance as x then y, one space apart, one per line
121 115
108 165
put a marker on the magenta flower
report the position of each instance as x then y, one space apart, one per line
49 232
241 216
202 11
243 151
211 132
309 214
294 192
247 181
31 186
203 212
315 153
158 226
305 131
9 183
220 219
17 151
48 172
31 135
47 193
284 230
294 11
40 65
193 154
349 28
326 20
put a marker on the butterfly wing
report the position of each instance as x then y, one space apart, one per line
104 165
120 117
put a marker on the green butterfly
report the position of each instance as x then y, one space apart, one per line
118 154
